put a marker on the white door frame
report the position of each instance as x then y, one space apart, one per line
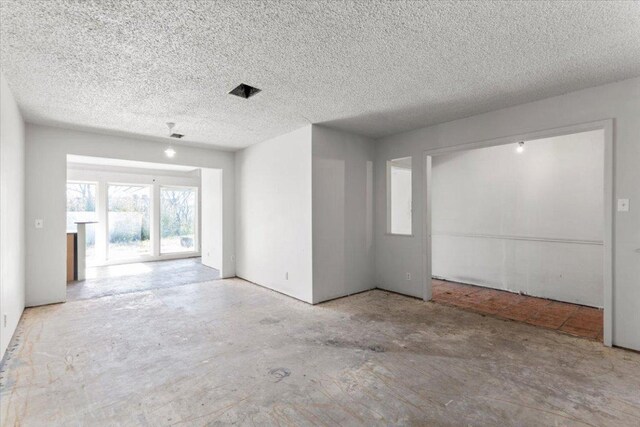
607 126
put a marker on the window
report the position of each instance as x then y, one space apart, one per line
177 219
81 206
399 196
128 218
136 221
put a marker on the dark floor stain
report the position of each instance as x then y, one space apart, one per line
269 321
279 373
404 318
368 317
339 343
376 348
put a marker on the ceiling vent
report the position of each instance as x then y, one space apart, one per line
173 134
244 91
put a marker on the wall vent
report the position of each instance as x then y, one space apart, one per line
244 91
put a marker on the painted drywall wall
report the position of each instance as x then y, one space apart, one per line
46 170
619 101
211 208
343 247
273 223
527 222
12 208
102 175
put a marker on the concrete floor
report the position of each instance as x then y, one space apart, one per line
135 277
228 351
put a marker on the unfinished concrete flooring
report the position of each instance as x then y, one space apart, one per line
230 352
140 276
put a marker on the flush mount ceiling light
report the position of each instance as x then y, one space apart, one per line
520 147
244 91
170 152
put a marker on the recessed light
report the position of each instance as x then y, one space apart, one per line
170 152
244 91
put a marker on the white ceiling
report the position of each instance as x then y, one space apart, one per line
371 67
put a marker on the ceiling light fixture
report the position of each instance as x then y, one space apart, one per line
170 152
520 147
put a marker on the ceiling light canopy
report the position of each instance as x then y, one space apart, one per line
520 147
170 152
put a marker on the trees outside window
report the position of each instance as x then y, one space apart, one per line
129 221
130 231
177 219
81 206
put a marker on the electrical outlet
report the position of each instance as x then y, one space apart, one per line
286 276
623 205
408 276
5 320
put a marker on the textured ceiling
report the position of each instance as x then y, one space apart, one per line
371 67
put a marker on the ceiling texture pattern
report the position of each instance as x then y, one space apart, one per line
371 67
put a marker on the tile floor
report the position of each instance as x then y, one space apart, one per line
573 319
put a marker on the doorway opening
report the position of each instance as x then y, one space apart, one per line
136 225
521 228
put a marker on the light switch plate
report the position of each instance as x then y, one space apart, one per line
39 223
623 205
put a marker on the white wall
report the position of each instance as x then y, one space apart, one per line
12 246
527 222
211 208
620 101
305 213
46 168
273 223
343 252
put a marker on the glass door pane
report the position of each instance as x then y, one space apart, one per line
177 219
81 206
129 218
